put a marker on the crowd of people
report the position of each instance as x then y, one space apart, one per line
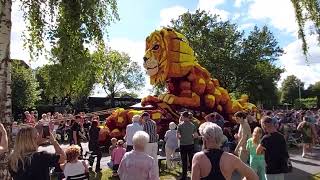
257 147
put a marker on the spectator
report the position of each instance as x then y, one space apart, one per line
76 130
244 133
3 149
61 131
171 143
274 147
113 145
150 127
131 130
27 163
252 121
94 145
308 132
212 162
215 118
86 127
44 120
186 133
111 148
137 164
257 162
74 166
15 128
117 155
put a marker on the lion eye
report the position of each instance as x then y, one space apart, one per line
155 47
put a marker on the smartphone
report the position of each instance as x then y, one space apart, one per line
46 132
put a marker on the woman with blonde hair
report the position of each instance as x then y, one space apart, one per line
171 144
4 174
257 162
25 162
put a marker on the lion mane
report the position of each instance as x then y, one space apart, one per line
175 54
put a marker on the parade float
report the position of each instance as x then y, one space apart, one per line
170 60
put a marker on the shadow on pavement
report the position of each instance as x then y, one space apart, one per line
304 162
297 174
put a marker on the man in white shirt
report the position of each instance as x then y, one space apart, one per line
131 129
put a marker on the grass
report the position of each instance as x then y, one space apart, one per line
316 177
165 174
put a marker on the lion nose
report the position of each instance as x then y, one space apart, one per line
145 59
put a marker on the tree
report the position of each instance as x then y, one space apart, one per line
307 11
25 88
241 64
5 62
84 21
65 23
290 89
120 73
314 91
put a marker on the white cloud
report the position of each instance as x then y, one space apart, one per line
210 6
245 26
203 4
294 61
280 13
167 14
238 3
236 16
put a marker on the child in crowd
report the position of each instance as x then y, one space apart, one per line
117 155
74 166
111 148
113 145
257 162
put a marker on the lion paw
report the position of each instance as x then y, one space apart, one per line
168 98
149 100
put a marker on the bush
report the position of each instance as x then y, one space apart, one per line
306 103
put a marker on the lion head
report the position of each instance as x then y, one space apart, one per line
167 54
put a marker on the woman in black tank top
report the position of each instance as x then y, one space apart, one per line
214 155
212 136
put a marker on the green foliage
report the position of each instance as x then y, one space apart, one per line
307 11
290 89
313 91
55 82
305 103
242 64
47 19
120 73
126 94
158 89
71 26
25 88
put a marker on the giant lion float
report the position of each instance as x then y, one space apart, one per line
170 60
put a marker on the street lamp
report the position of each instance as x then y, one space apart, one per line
299 92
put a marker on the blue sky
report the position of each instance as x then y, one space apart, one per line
138 18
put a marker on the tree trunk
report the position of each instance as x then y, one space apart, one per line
5 78
112 101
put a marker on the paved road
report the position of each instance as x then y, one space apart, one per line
303 168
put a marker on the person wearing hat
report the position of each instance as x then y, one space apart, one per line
171 143
186 133
131 129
